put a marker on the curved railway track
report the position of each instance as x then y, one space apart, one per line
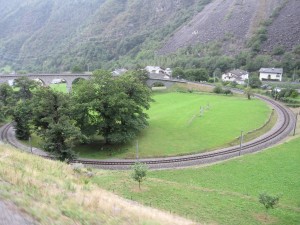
282 129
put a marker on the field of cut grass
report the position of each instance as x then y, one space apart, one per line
53 193
176 127
225 193
62 87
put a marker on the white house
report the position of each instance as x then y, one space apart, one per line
119 72
237 75
154 69
157 72
271 74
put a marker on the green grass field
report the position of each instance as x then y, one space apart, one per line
225 193
176 127
62 87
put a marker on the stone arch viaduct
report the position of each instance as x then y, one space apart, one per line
47 79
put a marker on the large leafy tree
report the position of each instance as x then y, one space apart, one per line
6 93
6 98
20 106
51 118
115 105
82 111
21 116
25 86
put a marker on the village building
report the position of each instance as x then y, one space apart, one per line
154 69
270 74
237 75
119 72
157 72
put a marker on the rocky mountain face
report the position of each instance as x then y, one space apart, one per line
56 35
223 19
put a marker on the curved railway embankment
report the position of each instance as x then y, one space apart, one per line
283 127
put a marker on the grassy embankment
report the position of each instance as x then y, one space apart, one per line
53 193
225 193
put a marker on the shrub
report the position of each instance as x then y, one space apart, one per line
233 84
278 50
255 82
158 84
227 92
139 172
218 90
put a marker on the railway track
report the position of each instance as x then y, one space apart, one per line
282 129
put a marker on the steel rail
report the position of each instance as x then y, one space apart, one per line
181 161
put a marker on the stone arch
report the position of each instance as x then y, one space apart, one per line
39 81
158 84
77 79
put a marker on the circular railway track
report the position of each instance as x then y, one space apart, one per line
282 129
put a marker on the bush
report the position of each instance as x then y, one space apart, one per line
233 84
158 84
278 50
255 82
211 80
218 90
227 92
225 83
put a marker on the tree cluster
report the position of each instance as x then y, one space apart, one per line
219 90
113 107
200 74
282 94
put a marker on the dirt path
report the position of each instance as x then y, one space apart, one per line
10 214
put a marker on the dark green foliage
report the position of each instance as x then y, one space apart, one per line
139 172
178 73
140 74
268 201
233 84
6 93
158 84
284 94
248 92
279 50
218 89
51 118
114 106
227 92
196 74
6 100
254 81
21 116
20 106
25 87
77 69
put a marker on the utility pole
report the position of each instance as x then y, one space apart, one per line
295 124
137 150
214 76
241 142
30 143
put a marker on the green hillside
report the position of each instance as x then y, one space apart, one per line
53 192
55 36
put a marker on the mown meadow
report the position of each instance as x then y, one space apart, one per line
177 125
184 123
224 193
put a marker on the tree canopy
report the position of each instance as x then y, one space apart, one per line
113 105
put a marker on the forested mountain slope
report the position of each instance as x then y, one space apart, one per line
53 35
